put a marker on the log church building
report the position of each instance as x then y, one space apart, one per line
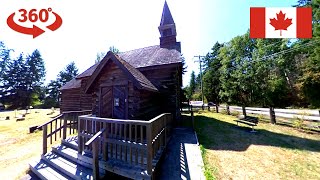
137 84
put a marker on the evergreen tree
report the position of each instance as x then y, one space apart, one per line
4 63
211 78
53 88
192 84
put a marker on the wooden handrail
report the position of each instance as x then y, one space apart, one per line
68 112
60 115
138 122
95 137
57 117
95 149
57 127
135 142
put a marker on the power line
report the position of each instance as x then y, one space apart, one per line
279 52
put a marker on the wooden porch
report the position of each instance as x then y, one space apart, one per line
92 146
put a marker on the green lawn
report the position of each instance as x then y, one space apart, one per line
273 152
17 146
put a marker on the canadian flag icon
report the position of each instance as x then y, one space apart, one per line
280 22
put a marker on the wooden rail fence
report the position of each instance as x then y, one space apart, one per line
312 117
134 143
308 115
59 127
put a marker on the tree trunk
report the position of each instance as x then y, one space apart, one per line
244 111
272 116
228 110
217 108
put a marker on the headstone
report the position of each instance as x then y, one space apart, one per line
20 119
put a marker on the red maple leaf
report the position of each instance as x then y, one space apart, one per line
281 23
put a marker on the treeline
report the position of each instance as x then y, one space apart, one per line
22 80
263 72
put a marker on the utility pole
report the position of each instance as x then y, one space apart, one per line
201 84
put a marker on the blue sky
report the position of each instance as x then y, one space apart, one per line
93 26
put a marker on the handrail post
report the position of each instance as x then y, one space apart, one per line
64 133
80 139
95 160
149 148
44 141
165 129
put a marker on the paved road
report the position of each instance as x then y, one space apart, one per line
182 159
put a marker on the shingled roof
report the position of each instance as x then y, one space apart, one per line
74 83
138 79
143 57
138 58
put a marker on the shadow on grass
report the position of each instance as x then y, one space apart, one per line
216 134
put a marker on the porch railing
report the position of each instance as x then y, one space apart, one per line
134 143
62 125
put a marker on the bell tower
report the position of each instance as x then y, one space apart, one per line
167 30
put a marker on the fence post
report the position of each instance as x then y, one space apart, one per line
228 109
64 133
244 111
217 108
192 119
272 116
208 107
149 149
44 140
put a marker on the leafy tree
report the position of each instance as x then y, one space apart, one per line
101 55
114 50
211 78
310 79
237 85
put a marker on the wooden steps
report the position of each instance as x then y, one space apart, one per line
61 163
44 171
66 152
68 167
64 162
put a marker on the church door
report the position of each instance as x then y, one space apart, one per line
113 102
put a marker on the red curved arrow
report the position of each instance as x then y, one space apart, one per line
57 23
35 31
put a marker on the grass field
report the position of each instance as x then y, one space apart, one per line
273 152
17 146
